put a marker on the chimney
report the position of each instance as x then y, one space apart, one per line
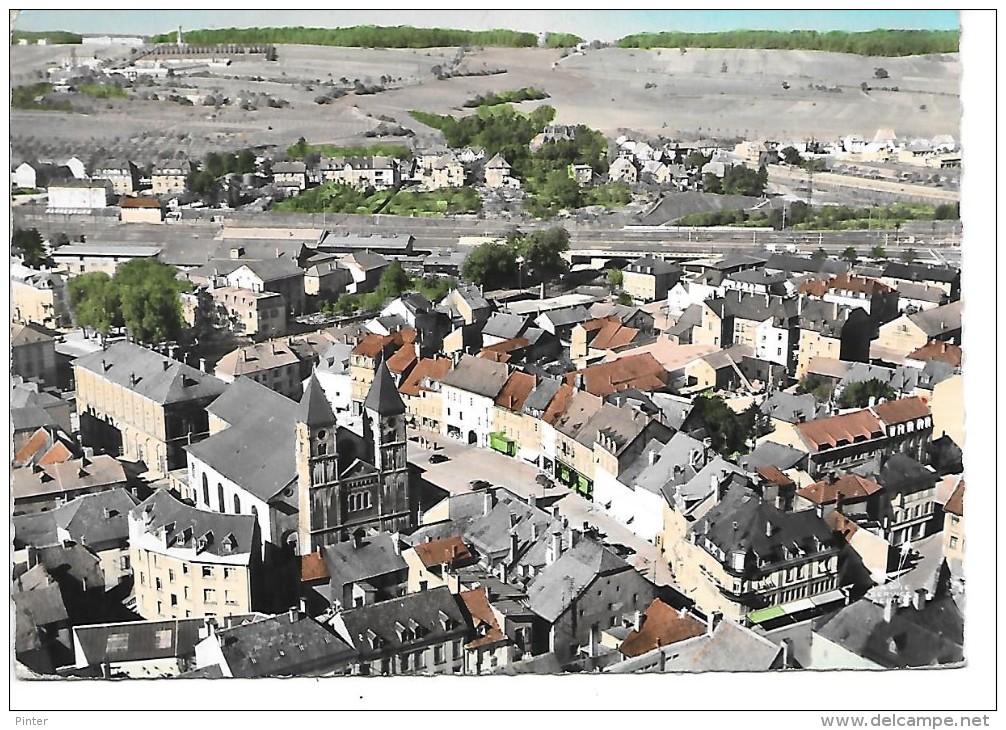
919 599
166 364
532 501
578 381
541 290
554 549
357 540
637 620
396 544
534 532
785 654
514 547
202 364
294 615
888 610
712 621
488 500
661 661
768 529
652 457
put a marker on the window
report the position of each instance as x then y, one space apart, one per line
124 562
456 649
207 571
185 569
419 662
143 578
228 572
220 497
237 505
209 595
157 583
359 501
185 592
171 576
159 607
174 599
206 491
953 541
230 599
438 654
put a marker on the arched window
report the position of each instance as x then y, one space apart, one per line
220 497
206 490
237 505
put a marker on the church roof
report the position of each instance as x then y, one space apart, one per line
314 408
383 396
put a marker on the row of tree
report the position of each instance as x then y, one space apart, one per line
142 297
369 36
867 43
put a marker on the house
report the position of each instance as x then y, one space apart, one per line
123 174
34 175
908 503
467 304
420 391
914 297
491 648
33 355
794 265
332 373
469 394
362 173
286 645
871 635
280 275
190 562
434 563
274 364
497 173
79 196
169 178
946 278
148 407
438 171
418 633
753 562
828 330
596 338
853 438
85 258
255 314
583 591
758 281
365 570
39 296
849 494
141 210
365 269
410 307
909 332
659 625
31 409
369 352
144 649
879 300
46 445
726 646
623 169
560 322
290 177
42 622
583 174
648 279
953 528
324 277
512 429
641 372
42 487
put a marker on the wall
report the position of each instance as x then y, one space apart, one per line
825 654
901 335
232 594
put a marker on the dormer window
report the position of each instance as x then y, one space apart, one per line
445 621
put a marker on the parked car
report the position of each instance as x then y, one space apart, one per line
479 484
439 458
544 480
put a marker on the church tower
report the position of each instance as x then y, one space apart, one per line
317 466
384 431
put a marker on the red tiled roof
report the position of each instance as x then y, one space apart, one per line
448 550
558 405
843 429
955 505
942 351
373 344
483 619
432 368
902 410
515 391
312 567
613 335
774 475
139 203
403 359
662 625
636 371
841 524
37 442
850 486
844 282
58 454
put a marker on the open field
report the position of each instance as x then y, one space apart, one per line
691 96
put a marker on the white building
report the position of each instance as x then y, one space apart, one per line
469 397
79 196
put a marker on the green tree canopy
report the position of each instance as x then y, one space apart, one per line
790 156
542 252
849 254
858 395
878 252
728 430
491 264
28 242
615 278
739 180
394 281
95 302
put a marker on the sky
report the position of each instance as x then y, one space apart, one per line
604 25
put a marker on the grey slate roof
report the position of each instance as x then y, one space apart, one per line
383 396
729 648
754 307
93 520
539 398
314 408
477 375
913 638
653 266
560 584
769 453
622 425
164 511
150 375
921 272
257 451
939 320
427 609
679 451
283 646
792 408
505 325
804 264
376 556
566 316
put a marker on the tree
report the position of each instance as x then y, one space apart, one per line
739 180
790 156
148 296
859 395
728 430
881 73
301 147
95 302
878 252
542 252
491 264
615 278
394 281
624 299
810 384
909 255
711 183
245 161
696 160
28 242
850 254
819 255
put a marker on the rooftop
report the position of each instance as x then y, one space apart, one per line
194 529
662 625
478 375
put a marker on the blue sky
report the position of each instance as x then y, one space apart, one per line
590 24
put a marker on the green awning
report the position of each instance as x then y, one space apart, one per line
764 614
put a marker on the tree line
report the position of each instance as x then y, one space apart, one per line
522 259
369 36
63 37
866 43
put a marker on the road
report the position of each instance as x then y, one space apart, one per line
470 462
